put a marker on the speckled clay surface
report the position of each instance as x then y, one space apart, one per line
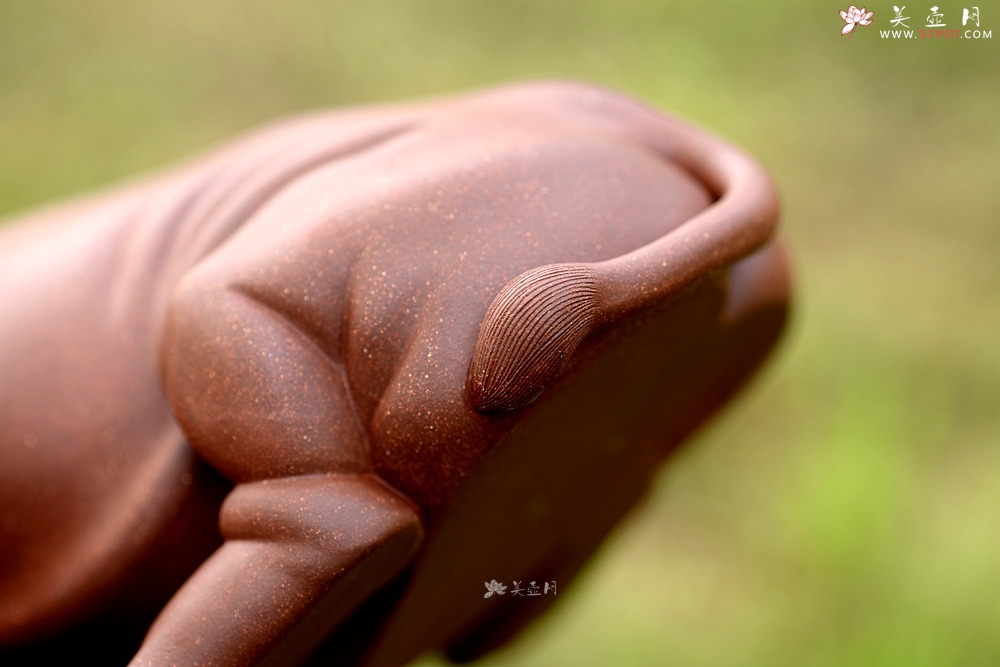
307 392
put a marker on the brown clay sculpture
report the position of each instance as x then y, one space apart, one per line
298 399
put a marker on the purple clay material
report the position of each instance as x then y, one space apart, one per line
297 399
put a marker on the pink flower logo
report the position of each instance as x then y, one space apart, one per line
854 16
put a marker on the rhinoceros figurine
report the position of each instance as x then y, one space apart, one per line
300 398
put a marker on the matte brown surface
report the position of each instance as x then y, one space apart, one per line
297 320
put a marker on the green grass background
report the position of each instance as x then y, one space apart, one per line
845 511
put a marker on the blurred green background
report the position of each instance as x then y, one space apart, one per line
845 511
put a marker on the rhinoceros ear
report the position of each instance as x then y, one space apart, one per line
530 330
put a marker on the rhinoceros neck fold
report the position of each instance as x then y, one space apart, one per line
201 207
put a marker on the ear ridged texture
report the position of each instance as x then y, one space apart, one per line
530 330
